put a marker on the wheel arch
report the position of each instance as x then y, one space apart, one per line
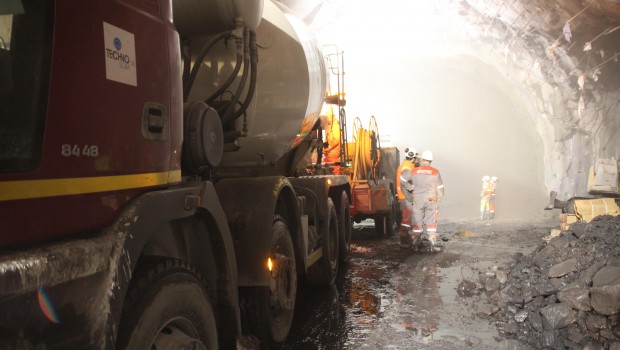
187 224
249 204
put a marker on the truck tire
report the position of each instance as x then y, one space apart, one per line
268 311
394 217
167 306
385 224
324 271
381 224
344 226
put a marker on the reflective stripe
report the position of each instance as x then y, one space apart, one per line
406 225
417 231
431 229
15 190
440 186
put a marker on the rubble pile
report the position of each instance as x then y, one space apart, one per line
566 294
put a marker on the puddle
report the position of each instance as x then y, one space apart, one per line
390 298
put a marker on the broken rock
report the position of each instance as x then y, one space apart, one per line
596 322
575 334
466 288
491 285
535 321
501 276
486 309
520 316
606 276
563 268
577 296
557 316
606 299
586 275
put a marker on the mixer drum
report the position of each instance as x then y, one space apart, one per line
290 89
204 17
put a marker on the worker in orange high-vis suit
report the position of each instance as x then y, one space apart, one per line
487 208
485 196
404 192
492 201
331 151
427 193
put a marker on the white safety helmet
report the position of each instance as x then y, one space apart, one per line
494 179
427 155
486 178
410 153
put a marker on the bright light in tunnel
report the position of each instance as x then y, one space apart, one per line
418 68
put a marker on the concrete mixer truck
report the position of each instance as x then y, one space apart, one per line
150 193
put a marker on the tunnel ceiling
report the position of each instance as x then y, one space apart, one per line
588 31
561 58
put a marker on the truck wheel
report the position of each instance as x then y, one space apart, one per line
344 226
394 218
386 224
382 224
167 307
324 271
269 311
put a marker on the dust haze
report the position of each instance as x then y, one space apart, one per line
458 107
405 65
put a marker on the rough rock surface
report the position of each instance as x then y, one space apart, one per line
566 294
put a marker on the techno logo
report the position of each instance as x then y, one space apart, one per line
120 54
117 44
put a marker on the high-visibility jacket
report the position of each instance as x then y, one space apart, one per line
488 188
406 164
332 135
427 182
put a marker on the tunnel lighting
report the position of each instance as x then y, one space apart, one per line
329 181
269 264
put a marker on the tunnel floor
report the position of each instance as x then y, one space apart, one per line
390 298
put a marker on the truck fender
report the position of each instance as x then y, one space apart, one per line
156 209
250 205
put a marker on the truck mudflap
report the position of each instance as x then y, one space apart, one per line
69 295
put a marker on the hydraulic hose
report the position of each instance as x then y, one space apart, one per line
232 76
252 87
366 154
228 115
203 53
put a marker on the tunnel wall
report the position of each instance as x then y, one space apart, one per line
574 132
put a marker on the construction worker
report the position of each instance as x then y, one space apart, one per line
486 200
427 193
492 201
404 191
331 151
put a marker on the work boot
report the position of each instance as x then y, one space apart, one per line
414 244
434 246
404 237
405 242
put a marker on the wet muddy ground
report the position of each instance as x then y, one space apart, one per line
390 298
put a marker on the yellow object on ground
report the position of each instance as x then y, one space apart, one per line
587 209
554 233
466 233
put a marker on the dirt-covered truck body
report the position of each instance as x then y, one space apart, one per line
148 186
